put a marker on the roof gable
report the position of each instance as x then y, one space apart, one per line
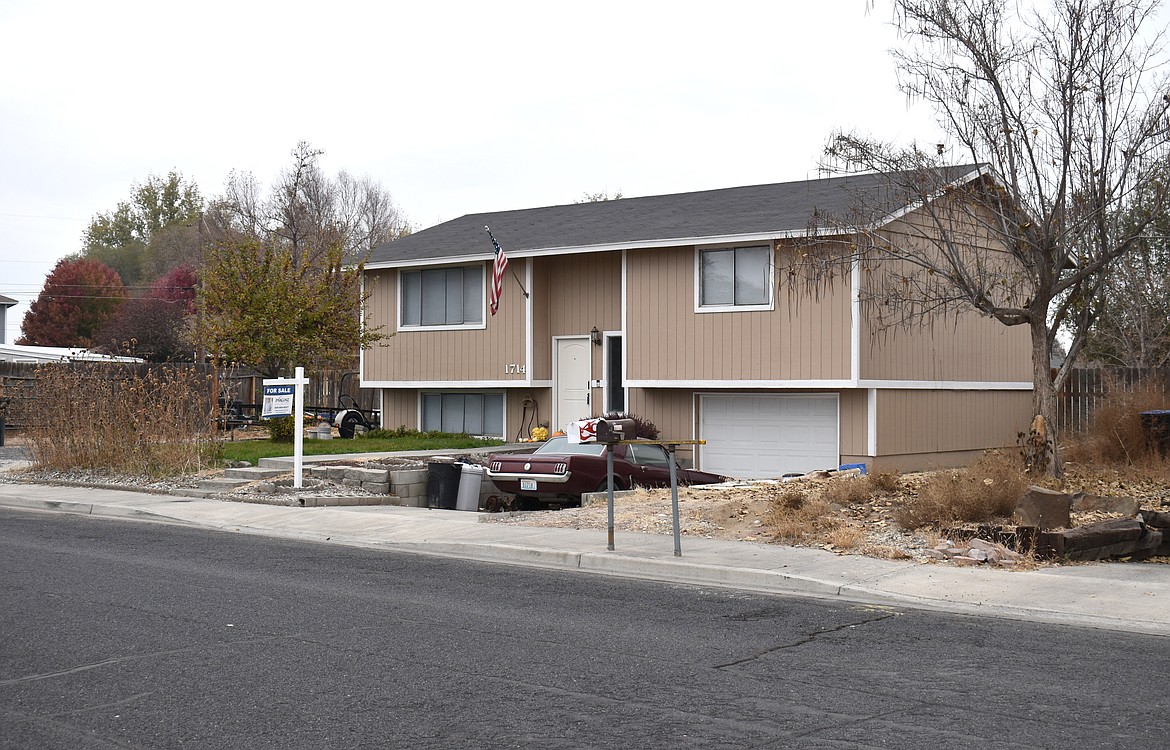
775 210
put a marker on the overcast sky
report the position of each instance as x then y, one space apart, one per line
454 107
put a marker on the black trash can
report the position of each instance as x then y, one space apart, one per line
1157 427
443 485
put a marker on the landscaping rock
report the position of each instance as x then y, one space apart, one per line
1044 508
1156 518
1119 538
1085 503
997 554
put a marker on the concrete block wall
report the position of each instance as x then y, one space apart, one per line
407 486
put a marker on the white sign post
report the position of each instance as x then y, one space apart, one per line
278 404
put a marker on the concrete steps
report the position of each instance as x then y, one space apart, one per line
238 477
255 473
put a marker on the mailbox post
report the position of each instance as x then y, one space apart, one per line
611 432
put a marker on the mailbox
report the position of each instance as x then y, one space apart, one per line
615 430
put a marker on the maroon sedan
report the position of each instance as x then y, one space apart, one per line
560 471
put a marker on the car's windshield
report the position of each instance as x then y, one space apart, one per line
562 445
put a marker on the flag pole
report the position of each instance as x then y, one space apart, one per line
514 276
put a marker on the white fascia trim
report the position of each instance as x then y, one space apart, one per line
741 384
459 385
871 422
855 321
603 248
933 385
625 327
362 323
947 385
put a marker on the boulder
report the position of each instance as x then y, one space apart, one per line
1085 503
1119 538
1045 509
1156 518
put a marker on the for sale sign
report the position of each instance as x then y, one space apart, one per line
278 401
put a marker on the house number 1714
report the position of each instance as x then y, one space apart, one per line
515 368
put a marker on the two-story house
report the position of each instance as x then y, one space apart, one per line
672 307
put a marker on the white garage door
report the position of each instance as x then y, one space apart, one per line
765 435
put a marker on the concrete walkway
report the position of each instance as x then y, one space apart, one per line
1117 596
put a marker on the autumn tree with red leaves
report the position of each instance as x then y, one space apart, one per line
158 326
79 298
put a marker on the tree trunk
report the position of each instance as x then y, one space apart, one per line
1044 403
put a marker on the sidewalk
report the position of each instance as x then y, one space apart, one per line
1119 596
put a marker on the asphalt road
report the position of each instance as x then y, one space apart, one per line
133 635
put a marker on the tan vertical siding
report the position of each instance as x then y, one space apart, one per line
542 275
853 411
471 355
802 338
400 408
963 346
670 409
971 349
922 421
583 292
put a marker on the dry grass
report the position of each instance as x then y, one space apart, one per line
991 488
852 490
1115 434
120 420
796 513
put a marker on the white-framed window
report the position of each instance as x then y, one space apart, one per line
734 278
441 297
472 413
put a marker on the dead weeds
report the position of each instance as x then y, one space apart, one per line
855 515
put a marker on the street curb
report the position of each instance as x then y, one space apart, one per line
90 509
670 570
1007 612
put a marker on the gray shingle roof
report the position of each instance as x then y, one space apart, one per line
777 209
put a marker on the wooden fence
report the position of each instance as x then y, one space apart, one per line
1087 388
18 381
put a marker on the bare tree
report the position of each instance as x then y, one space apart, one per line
367 214
307 211
1133 327
1057 108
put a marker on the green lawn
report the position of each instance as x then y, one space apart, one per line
253 450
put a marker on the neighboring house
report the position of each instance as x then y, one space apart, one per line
5 303
38 354
670 307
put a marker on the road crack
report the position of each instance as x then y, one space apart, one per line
877 617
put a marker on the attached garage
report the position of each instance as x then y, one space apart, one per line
759 435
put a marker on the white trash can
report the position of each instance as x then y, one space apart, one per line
469 481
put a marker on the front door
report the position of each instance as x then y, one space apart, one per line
572 371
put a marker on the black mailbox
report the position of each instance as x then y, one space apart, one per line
615 430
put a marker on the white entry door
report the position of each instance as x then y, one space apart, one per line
754 436
572 371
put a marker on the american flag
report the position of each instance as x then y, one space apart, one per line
498 269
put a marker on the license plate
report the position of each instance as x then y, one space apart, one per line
528 484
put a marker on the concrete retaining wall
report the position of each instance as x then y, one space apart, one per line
408 487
